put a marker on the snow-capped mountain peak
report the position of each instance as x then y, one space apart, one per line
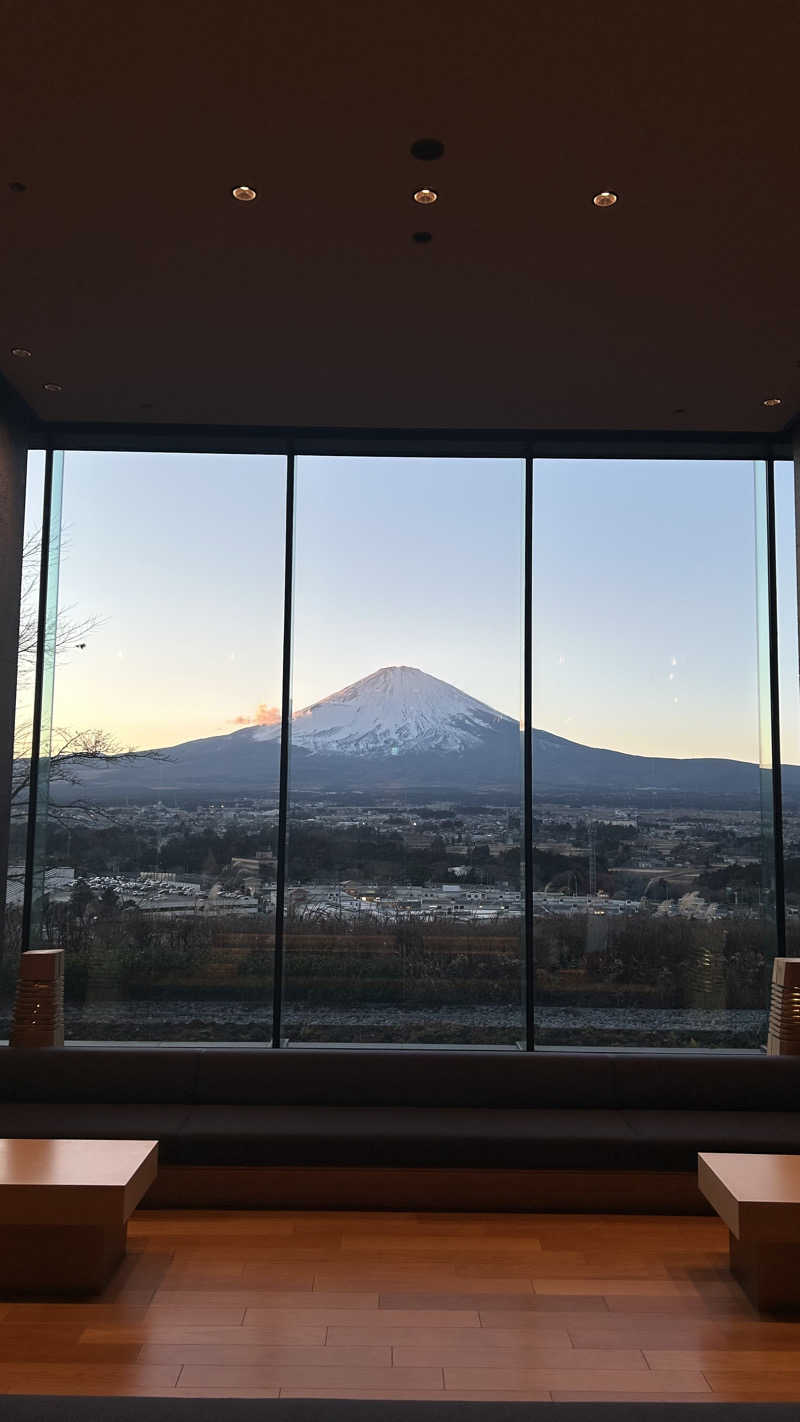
394 711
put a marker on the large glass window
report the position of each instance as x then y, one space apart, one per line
393 911
403 898
11 937
654 904
161 832
786 539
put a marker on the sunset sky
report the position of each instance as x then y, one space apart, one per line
644 577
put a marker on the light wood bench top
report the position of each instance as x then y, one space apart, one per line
758 1196
71 1163
85 1177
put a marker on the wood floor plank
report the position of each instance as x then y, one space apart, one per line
667 1332
215 1303
718 1360
288 1252
11 1333
760 1386
85 1313
426 1283
192 1246
221 1392
197 1313
683 1304
759 1332
166 1333
75 1377
284 1375
468 1338
558 1395
495 1303
416 1394
393 1264
437 1244
610 1285
35 1387
207 1224
515 1379
260 1298
34 1349
263 1278
316 1299
203 1273
365 1355
423 1317
524 1355
560 1265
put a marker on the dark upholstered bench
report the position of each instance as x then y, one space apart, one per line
254 1126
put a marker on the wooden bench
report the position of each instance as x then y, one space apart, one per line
64 1210
758 1197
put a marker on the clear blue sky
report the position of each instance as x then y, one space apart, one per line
644 610
644 605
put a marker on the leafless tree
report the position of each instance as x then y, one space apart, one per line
70 751
70 630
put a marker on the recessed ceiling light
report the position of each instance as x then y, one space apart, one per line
244 194
772 401
21 352
52 387
604 199
427 149
425 196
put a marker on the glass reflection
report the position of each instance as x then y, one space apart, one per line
652 924
404 910
157 837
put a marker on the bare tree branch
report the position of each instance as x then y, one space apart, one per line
70 750
70 631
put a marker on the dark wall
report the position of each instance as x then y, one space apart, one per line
13 461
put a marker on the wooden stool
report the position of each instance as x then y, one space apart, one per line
784 1014
39 1006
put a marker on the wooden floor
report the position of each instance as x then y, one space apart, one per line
390 1305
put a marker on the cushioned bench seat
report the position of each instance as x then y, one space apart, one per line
670 1140
252 1107
81 1120
405 1136
413 1136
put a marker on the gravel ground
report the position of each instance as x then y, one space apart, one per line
473 1024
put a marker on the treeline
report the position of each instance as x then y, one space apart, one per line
128 849
327 855
744 881
315 854
646 960
677 962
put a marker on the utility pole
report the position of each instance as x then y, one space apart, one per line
592 859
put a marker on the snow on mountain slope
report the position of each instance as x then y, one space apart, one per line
395 710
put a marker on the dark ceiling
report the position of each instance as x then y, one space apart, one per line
150 295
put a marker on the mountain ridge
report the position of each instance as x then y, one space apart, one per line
400 730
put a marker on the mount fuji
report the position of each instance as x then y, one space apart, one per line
395 711
397 729
402 730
